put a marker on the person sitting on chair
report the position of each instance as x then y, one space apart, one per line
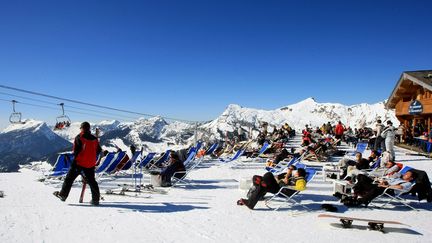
367 190
268 183
174 165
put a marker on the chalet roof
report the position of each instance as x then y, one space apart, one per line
407 84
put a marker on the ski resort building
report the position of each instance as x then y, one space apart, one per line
412 101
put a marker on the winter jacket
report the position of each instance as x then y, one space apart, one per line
379 129
339 130
388 133
422 186
300 184
86 148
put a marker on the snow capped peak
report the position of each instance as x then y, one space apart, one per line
307 104
28 125
310 100
109 123
305 112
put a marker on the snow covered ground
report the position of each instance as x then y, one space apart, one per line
206 212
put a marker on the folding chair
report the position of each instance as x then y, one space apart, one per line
280 196
237 155
118 158
396 197
189 166
62 164
132 161
212 149
360 148
281 166
103 165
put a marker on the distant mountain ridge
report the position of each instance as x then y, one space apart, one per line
34 140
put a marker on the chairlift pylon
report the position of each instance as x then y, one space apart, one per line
15 117
63 120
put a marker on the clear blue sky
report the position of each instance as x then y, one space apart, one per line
190 59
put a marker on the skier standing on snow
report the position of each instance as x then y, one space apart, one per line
86 148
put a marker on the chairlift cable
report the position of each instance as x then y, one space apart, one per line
77 112
111 115
107 114
89 104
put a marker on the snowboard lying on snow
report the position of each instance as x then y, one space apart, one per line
373 224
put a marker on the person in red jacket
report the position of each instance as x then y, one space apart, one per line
339 131
86 148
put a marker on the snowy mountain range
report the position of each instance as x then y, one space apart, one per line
34 140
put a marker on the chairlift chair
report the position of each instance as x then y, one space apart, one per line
15 117
62 120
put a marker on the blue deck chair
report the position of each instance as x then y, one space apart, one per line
62 165
189 166
162 159
212 149
132 160
106 161
280 196
143 164
198 146
376 164
360 148
405 169
236 156
146 160
119 156
263 148
281 166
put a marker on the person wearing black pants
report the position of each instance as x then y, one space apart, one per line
86 148
89 175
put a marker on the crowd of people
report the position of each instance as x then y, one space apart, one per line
317 144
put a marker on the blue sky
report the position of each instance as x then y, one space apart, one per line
190 59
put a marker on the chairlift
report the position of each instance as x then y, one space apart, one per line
63 120
15 117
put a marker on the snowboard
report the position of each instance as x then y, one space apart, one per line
373 224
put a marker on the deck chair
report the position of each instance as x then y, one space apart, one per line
281 166
360 148
198 146
280 196
122 163
237 155
405 169
132 160
212 149
265 146
118 158
62 164
143 164
396 197
189 165
106 161
162 159
146 160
